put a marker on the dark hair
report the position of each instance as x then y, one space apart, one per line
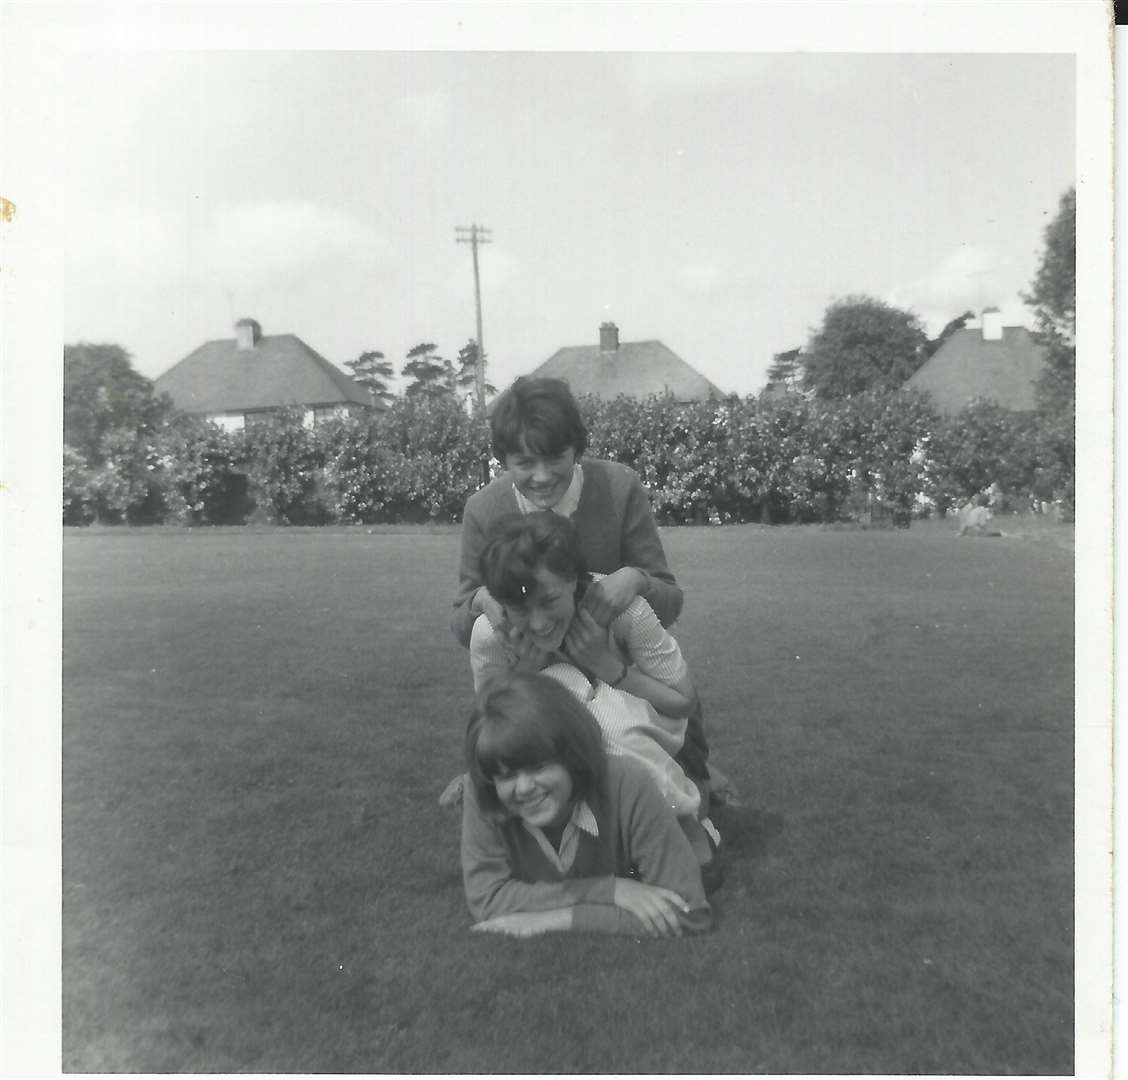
528 719
517 545
542 414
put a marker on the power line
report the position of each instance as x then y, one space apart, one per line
475 235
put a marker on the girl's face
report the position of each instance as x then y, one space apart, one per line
542 480
547 611
539 794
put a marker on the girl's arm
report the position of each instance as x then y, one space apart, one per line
469 576
501 903
488 656
489 881
636 655
642 548
658 848
656 669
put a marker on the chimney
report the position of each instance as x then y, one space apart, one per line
992 324
608 337
247 334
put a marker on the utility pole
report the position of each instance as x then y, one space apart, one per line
475 235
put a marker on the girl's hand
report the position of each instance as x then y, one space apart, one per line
609 597
655 907
591 647
524 654
526 923
486 605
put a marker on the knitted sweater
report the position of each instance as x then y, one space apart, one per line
616 528
504 870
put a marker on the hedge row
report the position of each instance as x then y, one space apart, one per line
782 458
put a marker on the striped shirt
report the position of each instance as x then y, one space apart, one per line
631 726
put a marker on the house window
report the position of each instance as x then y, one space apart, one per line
322 413
260 418
228 421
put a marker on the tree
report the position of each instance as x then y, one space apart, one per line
373 372
786 369
103 394
466 374
1053 295
430 374
950 328
863 344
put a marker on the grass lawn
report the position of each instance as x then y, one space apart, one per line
257 877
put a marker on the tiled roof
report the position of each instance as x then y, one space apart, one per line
280 370
635 368
967 367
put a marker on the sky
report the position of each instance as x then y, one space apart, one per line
717 202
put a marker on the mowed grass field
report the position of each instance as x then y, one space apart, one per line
257 876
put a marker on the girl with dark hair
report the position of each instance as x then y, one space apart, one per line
558 836
631 676
539 437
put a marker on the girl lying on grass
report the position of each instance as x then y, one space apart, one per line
557 836
630 675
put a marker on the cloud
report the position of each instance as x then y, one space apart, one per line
425 116
699 277
259 244
263 244
968 278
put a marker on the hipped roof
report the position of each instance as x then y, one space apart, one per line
280 370
966 367
635 368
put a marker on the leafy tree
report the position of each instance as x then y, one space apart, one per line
103 394
374 373
431 375
950 328
786 370
466 374
1053 295
863 344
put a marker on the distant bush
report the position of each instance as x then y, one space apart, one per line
203 478
779 457
285 465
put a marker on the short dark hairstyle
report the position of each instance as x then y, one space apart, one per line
528 719
517 545
542 414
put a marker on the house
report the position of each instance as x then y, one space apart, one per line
992 361
634 368
236 380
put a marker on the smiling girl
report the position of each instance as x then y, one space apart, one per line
630 676
539 437
558 836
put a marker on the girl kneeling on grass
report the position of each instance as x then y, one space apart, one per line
556 835
631 675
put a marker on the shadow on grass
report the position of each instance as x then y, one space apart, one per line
746 831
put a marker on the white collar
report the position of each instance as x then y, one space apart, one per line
582 820
569 501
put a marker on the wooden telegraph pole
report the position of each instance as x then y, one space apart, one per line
475 235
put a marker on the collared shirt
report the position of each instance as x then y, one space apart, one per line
582 820
568 503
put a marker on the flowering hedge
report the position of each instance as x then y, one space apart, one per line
782 457
772 458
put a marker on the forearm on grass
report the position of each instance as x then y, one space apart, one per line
491 888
